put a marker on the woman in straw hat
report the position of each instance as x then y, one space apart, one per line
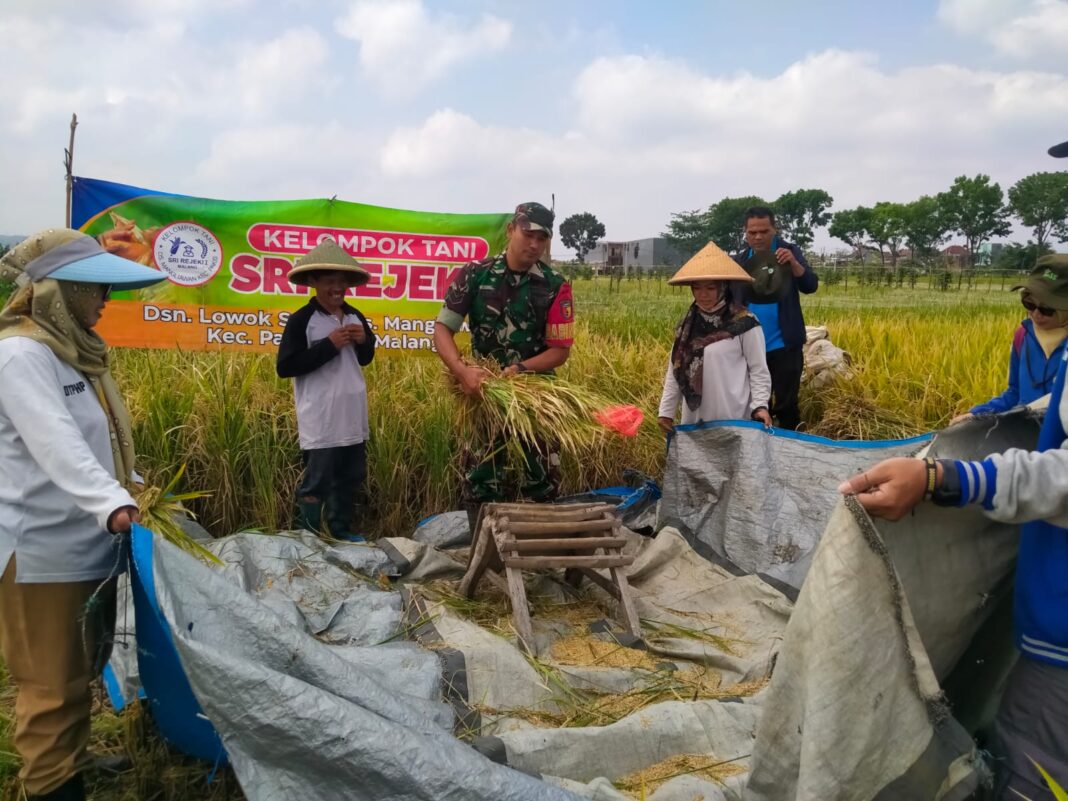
324 347
717 362
66 467
1039 343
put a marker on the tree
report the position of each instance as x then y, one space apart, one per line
581 233
1041 203
1020 258
688 232
974 208
886 228
925 226
851 226
726 221
800 211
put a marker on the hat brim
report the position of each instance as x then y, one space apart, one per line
357 275
1059 151
107 268
1043 296
527 225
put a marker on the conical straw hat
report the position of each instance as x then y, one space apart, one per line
710 263
328 255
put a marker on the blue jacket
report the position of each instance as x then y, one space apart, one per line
1018 484
791 321
1031 374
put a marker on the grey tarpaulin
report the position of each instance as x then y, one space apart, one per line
757 501
347 673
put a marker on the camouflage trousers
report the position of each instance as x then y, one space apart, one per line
487 478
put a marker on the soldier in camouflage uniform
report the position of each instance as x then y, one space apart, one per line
521 315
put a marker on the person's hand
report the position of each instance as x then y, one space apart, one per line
960 418
667 425
890 489
341 337
764 416
510 370
359 334
786 256
122 519
471 379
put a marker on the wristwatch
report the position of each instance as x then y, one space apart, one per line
948 492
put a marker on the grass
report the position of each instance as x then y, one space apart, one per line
921 357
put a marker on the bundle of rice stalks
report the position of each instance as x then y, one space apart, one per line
159 509
534 412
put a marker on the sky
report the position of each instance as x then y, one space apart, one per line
629 110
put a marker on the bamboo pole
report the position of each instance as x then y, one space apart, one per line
68 163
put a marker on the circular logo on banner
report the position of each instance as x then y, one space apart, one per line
189 253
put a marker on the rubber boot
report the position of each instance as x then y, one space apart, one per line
310 516
339 515
71 790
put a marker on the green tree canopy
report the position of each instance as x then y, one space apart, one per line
886 228
687 232
851 226
925 227
726 221
1041 202
581 233
974 208
801 211
1021 258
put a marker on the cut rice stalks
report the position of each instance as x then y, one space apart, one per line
530 412
159 508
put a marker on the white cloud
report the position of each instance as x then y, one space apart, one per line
1031 31
403 47
655 136
284 160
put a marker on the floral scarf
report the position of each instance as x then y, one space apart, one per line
697 330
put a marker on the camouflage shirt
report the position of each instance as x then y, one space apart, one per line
512 315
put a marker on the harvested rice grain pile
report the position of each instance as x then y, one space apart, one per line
706 766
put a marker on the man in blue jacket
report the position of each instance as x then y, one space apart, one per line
1018 486
780 273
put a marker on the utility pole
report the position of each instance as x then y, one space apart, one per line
68 163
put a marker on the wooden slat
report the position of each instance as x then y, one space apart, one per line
516 527
626 603
600 581
567 544
541 562
520 613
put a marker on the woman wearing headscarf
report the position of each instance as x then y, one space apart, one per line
717 368
66 464
1039 343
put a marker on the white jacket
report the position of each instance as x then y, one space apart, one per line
735 382
57 474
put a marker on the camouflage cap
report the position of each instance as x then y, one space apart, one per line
1048 282
534 217
1059 151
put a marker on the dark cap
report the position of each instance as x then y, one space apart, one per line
1059 151
1048 282
534 217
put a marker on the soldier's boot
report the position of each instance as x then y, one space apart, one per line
310 515
339 503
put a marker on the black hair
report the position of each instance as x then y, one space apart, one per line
759 212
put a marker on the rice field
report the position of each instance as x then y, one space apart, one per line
921 356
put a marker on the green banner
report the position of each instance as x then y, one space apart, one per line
227 264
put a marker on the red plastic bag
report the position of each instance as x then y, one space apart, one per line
623 419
